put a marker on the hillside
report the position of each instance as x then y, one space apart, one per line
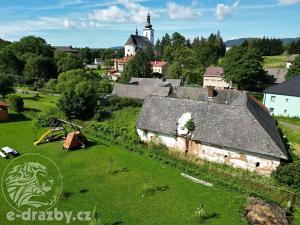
239 41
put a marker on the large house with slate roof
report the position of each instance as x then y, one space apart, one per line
284 99
233 129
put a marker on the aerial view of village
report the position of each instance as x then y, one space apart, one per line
150 112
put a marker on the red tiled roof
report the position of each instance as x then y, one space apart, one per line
125 59
3 104
214 71
158 63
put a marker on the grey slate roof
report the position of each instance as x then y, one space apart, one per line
290 87
276 74
243 126
139 92
154 82
200 94
137 40
65 49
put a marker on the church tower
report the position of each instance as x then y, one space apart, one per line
148 31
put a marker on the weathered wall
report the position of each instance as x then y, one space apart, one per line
129 50
216 82
260 164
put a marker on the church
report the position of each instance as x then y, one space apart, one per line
136 41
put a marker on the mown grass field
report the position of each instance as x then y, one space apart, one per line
277 61
117 196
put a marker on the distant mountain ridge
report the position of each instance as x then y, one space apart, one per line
239 41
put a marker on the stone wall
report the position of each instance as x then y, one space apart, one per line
261 164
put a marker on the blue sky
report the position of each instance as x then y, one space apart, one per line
104 23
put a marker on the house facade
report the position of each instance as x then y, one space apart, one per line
219 135
213 76
284 99
159 67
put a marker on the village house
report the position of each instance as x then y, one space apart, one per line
276 75
284 99
66 49
159 67
140 88
4 111
219 133
291 60
213 76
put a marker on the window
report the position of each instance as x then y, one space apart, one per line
271 110
257 164
273 98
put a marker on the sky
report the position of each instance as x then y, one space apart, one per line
104 23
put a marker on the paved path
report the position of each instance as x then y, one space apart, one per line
296 127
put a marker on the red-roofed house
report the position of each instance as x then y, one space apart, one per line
3 111
120 63
213 76
159 67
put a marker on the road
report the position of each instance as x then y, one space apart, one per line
296 127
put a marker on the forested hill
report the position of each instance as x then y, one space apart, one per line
239 41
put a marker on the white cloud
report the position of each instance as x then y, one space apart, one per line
123 11
223 11
288 2
176 11
111 14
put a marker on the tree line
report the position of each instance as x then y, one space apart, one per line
265 46
33 61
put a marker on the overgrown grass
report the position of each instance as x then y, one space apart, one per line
277 61
291 120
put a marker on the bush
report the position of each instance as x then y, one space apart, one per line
45 119
190 125
288 174
16 103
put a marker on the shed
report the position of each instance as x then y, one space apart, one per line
4 111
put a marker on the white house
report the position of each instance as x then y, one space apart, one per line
219 134
213 76
159 67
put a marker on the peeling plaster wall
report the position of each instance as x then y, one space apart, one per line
260 164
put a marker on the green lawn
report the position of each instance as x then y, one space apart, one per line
118 196
277 61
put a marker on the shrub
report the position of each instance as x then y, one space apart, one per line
288 174
45 119
16 102
190 125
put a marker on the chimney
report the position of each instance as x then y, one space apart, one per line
210 91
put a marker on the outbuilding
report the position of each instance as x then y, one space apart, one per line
4 111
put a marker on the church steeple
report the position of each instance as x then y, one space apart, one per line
148 31
136 31
148 25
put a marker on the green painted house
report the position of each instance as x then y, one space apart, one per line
284 99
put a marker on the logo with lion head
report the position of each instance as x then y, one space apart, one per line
31 184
